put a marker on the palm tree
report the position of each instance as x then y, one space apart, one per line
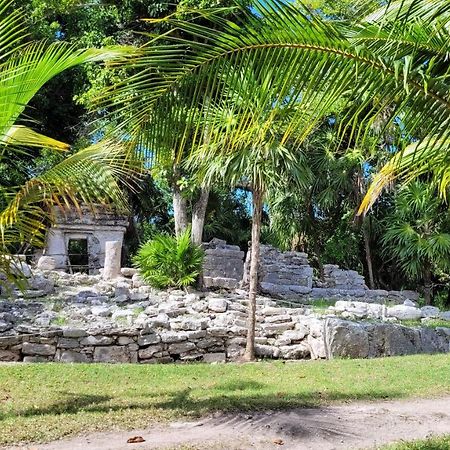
417 235
90 175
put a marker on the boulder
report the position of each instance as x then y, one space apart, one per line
217 305
69 356
9 356
430 311
128 272
346 339
29 348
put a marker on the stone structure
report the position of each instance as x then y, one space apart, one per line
87 319
282 274
90 230
223 266
288 276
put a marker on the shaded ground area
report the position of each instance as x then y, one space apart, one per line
358 425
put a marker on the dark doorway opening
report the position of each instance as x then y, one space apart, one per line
78 255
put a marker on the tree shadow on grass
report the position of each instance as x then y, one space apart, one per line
242 396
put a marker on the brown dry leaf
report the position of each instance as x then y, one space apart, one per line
278 442
135 440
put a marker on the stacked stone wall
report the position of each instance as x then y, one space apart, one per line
223 265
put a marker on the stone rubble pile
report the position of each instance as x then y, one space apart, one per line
87 319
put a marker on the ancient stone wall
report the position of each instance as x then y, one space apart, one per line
223 265
86 319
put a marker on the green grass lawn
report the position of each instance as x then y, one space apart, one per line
42 402
437 443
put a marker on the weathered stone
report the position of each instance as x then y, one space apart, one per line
102 311
46 263
298 351
217 305
276 328
148 352
215 357
181 347
445 315
29 348
96 340
430 311
125 340
9 356
111 354
172 337
69 356
128 272
35 359
68 343
113 252
347 339
403 312
148 339
74 333
5 326
267 351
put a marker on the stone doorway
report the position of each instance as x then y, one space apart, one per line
78 255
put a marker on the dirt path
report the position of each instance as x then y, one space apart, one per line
359 425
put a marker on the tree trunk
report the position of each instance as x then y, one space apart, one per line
198 216
366 236
179 210
427 286
249 354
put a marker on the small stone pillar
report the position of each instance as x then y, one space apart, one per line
113 250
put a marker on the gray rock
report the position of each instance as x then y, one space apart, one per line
96 340
74 332
69 356
148 352
170 337
128 272
430 311
112 354
347 339
29 348
176 349
445 315
46 263
148 339
297 351
9 356
101 311
219 357
403 312
5 326
217 305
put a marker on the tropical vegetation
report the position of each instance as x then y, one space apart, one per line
302 118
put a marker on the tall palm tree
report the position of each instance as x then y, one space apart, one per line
89 176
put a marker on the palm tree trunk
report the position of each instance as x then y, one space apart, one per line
198 216
366 237
249 354
179 210
427 286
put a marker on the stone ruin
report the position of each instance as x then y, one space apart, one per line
223 266
288 276
77 240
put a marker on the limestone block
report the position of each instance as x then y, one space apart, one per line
170 337
113 252
298 351
217 305
137 280
29 348
68 343
46 263
215 357
5 326
69 356
148 339
430 311
176 349
102 311
445 315
128 272
148 352
403 312
111 354
96 340
9 356
266 351
74 332
41 283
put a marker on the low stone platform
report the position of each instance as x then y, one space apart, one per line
86 319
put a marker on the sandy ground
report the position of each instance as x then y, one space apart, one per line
358 425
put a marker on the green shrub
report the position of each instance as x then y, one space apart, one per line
168 261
